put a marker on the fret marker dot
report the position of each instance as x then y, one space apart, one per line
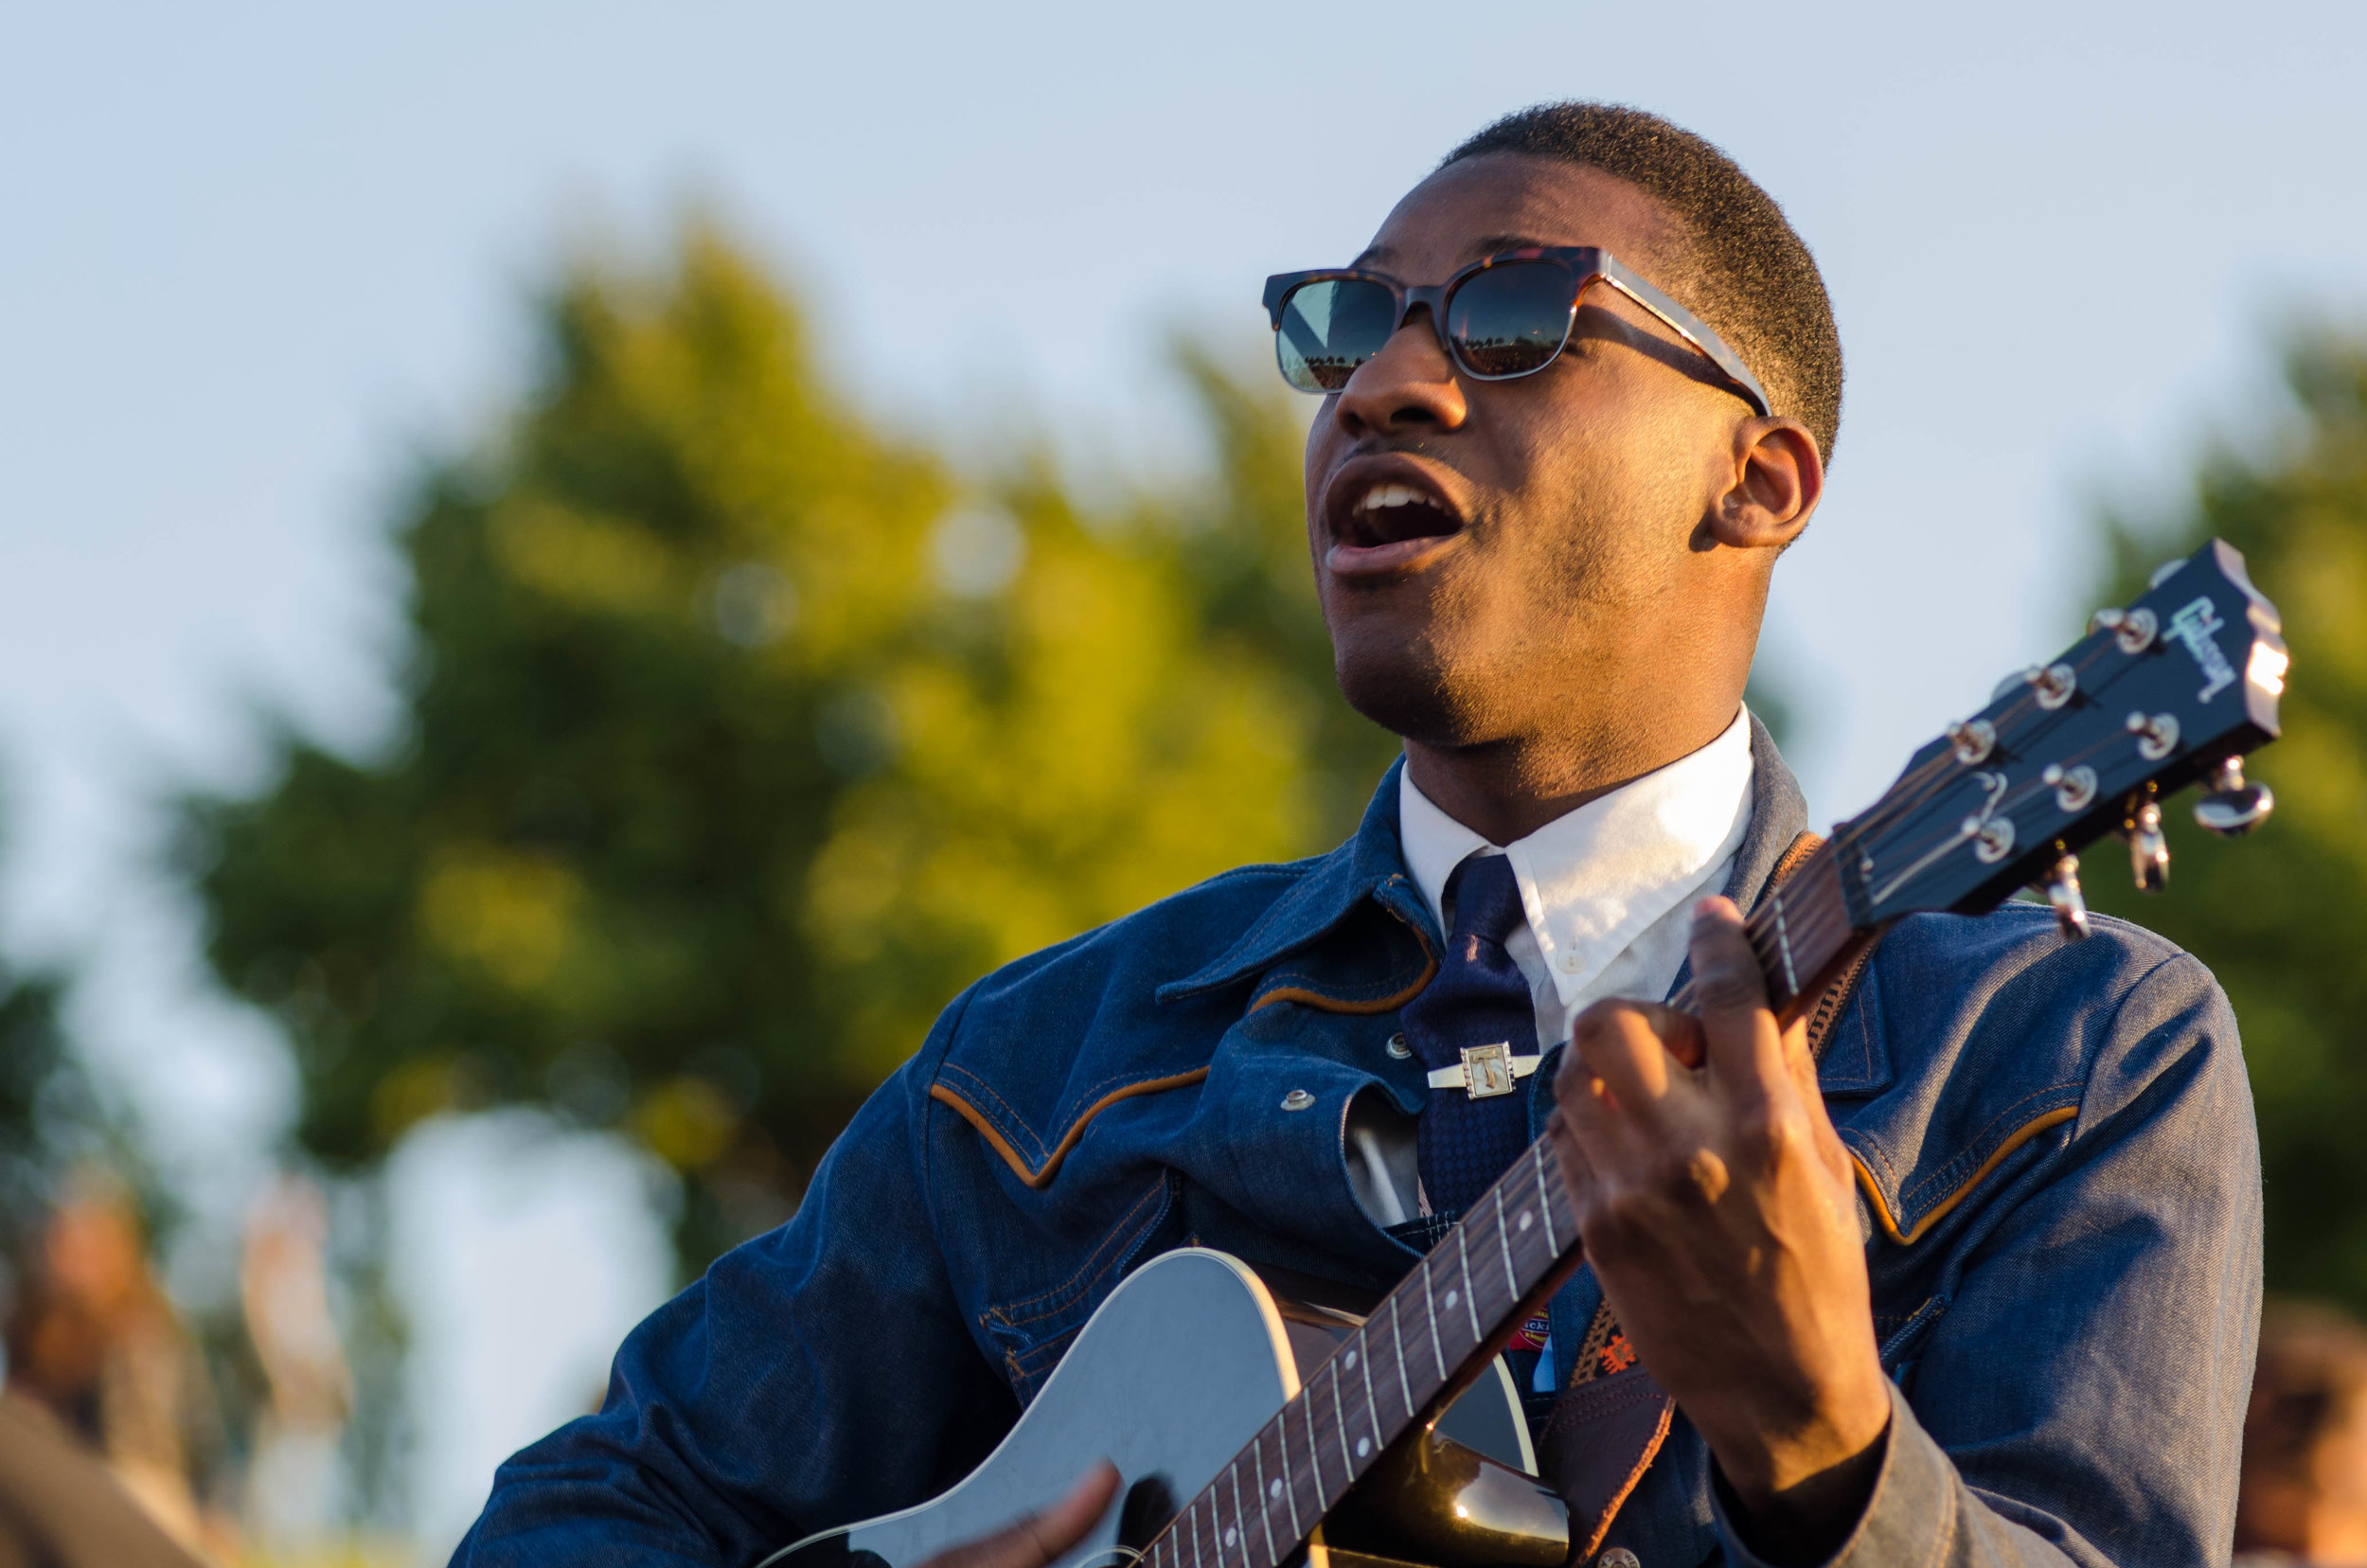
1274 1490
1350 1361
1452 1296
1524 1218
1228 1535
1364 1447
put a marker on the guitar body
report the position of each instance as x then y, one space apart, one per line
1189 1358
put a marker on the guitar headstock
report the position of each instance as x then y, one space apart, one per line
2176 687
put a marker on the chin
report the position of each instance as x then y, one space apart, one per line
1400 685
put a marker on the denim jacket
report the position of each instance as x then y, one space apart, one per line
2059 1189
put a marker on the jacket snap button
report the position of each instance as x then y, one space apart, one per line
1297 1099
1618 1557
1398 1048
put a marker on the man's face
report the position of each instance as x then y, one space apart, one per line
1480 547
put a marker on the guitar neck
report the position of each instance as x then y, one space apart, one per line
1432 1333
1802 932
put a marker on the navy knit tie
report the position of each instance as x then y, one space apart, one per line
1478 998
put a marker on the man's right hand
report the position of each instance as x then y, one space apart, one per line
1043 1537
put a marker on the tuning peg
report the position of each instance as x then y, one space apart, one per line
2148 851
2233 806
2062 890
2052 684
2134 629
2157 735
1973 740
2073 789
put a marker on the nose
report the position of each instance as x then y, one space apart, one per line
1410 385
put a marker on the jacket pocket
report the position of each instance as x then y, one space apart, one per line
1032 1332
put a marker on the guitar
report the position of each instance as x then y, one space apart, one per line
1252 1428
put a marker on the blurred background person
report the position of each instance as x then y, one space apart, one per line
294 1481
60 1507
95 1342
2303 1493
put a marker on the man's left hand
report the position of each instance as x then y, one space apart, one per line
1715 1201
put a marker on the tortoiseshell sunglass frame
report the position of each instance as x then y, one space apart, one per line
1586 266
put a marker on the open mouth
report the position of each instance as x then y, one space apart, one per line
1387 524
1390 512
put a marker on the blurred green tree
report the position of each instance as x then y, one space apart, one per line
2281 916
739 737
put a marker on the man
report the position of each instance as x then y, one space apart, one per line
1543 563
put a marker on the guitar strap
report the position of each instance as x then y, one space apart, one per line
1608 1424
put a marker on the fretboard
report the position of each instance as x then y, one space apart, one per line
1460 1300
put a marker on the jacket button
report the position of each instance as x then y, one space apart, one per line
1617 1557
1297 1099
1398 1048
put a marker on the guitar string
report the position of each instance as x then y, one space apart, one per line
1892 806
2030 790
2032 786
1874 819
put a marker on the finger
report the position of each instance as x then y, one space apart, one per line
1044 1536
1802 1063
1577 1170
1067 1522
1585 1120
1617 1042
1744 1048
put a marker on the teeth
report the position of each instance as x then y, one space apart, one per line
1390 495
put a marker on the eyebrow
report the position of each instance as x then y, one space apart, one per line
1487 244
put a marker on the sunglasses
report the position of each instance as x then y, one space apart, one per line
1504 317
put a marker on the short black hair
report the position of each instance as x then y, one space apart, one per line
1753 280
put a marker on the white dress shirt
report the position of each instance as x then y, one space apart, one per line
1609 888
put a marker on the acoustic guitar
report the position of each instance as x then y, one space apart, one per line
1255 1424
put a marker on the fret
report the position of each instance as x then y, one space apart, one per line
1281 1481
1372 1411
1191 1527
1783 942
1430 1310
1545 1202
1397 1312
1504 1240
1240 1533
1469 1305
1258 1494
1338 1420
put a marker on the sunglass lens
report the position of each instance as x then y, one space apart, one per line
1512 319
1330 328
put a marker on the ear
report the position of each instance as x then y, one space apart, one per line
1779 480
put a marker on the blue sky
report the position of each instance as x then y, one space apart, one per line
259 258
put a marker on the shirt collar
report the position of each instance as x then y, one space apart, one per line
1595 878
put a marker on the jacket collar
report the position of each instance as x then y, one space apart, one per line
1779 814
1370 867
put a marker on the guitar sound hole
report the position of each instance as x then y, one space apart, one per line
1149 1505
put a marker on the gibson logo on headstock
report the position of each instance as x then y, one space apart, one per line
2195 626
